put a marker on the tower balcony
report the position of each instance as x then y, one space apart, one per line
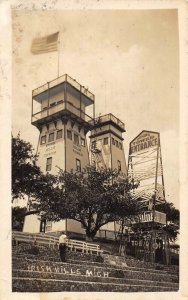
62 98
59 110
62 79
110 119
150 216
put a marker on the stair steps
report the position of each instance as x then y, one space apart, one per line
44 272
57 285
56 258
85 278
51 260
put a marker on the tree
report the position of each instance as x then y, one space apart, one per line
93 198
24 169
172 218
172 213
18 214
27 178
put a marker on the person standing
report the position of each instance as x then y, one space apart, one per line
62 246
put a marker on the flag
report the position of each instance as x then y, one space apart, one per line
45 44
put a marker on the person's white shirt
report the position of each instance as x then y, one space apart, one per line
62 239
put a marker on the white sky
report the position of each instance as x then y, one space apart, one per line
128 58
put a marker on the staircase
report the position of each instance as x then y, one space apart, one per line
97 155
39 269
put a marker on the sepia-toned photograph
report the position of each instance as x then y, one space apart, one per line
95 150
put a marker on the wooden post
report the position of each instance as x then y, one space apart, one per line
162 174
58 55
48 99
153 208
81 102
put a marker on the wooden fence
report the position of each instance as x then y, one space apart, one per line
53 241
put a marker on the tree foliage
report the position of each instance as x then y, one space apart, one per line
24 169
18 214
93 198
172 218
172 213
27 178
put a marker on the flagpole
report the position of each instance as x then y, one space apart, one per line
58 55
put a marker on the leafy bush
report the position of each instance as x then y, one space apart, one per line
33 250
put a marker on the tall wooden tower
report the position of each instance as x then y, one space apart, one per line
63 111
145 166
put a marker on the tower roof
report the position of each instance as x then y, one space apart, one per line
109 119
62 98
56 84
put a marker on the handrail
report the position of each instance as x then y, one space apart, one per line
110 117
59 80
63 102
52 241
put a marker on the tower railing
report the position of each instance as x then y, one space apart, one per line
60 106
147 216
59 80
110 117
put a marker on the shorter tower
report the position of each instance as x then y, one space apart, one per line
106 143
107 151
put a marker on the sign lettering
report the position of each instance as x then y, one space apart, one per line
67 270
50 153
50 150
77 150
147 216
144 141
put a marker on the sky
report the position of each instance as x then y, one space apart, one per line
129 59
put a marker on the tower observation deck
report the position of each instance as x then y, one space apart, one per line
109 119
62 98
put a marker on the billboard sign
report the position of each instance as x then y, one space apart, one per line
147 216
145 140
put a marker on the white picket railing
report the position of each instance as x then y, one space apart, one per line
52 241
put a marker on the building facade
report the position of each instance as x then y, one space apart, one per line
63 112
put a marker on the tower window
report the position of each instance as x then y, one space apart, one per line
59 134
117 143
105 142
51 137
120 146
69 134
76 139
113 141
49 164
78 165
83 142
52 104
119 165
43 140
